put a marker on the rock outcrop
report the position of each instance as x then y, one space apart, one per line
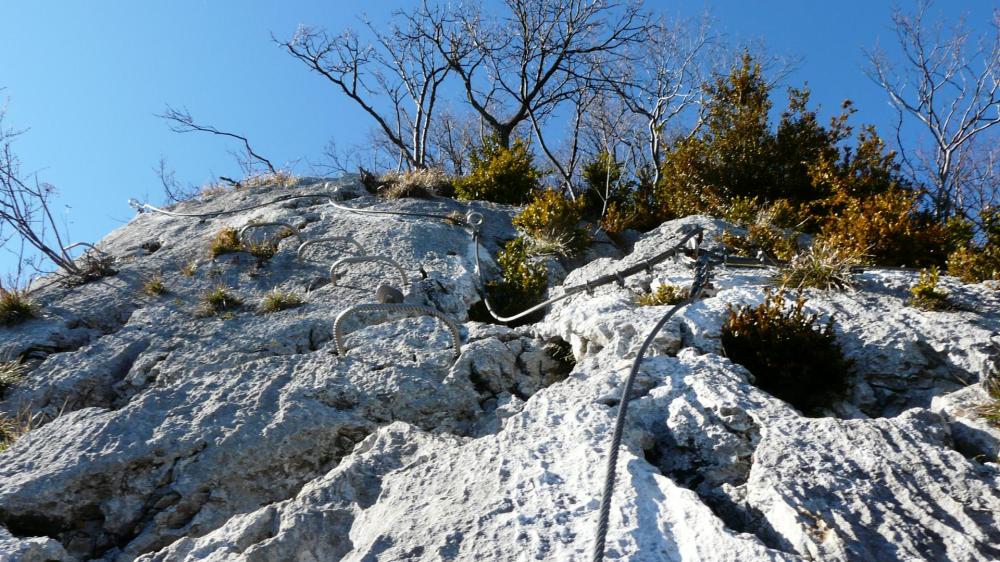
164 434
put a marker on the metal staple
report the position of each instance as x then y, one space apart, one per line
413 309
295 231
359 259
302 247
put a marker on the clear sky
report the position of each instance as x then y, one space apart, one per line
86 78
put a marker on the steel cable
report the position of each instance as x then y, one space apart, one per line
616 277
701 278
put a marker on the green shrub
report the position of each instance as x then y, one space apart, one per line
277 300
665 294
225 241
975 262
741 210
499 174
618 217
550 223
218 300
11 373
15 306
790 355
886 229
560 351
925 293
762 238
974 265
602 177
522 282
823 266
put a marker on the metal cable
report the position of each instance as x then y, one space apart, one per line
459 220
143 207
359 259
413 309
617 276
701 279
85 244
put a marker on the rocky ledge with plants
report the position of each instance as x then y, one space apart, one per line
138 427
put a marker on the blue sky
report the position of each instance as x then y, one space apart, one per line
86 78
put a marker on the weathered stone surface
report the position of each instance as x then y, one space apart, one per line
165 436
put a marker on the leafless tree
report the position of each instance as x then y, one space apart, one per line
182 122
567 163
661 80
402 66
25 207
174 191
526 59
610 128
948 83
452 138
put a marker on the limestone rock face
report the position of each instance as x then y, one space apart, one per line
166 434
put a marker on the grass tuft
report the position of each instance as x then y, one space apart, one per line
665 294
415 183
276 300
217 301
11 373
13 428
154 286
15 306
225 241
823 266
926 295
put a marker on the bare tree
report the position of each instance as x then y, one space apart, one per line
452 139
949 83
171 187
182 122
25 208
402 65
660 81
580 100
527 59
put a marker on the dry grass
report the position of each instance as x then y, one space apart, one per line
277 300
210 190
415 183
218 300
262 250
665 294
154 286
823 266
13 428
991 410
279 179
225 241
15 306
189 269
11 373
